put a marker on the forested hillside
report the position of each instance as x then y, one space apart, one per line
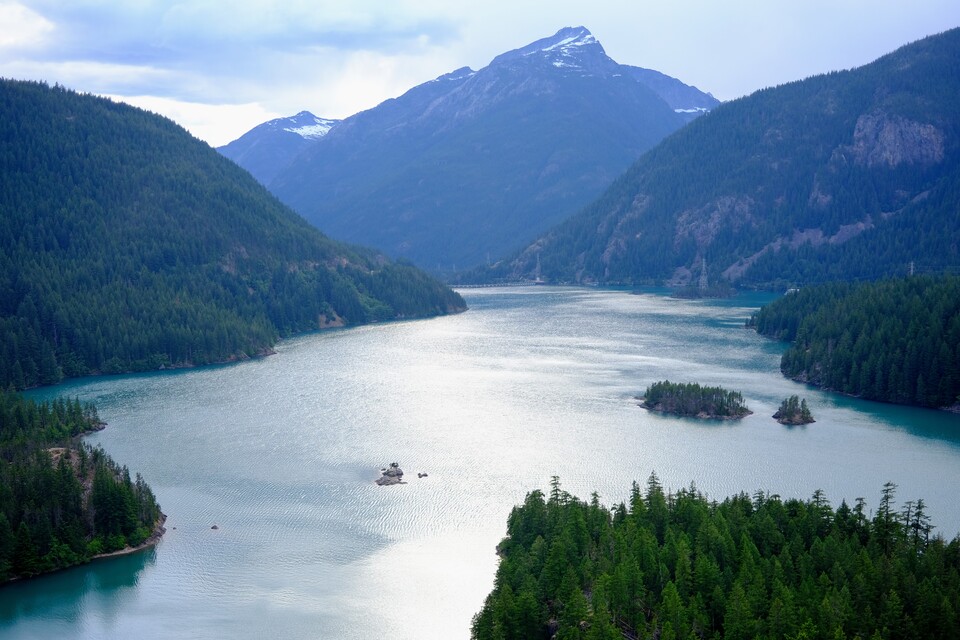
853 174
677 566
894 340
62 502
126 244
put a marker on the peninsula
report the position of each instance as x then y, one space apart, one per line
64 502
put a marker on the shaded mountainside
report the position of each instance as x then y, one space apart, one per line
127 244
852 174
475 163
893 341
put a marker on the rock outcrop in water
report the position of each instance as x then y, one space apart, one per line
391 475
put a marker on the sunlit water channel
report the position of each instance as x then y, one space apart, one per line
281 453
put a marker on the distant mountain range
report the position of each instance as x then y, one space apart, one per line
474 163
127 244
268 149
853 174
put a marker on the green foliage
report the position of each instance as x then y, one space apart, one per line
690 399
793 410
127 245
895 340
679 565
49 519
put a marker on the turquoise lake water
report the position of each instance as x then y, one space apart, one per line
281 453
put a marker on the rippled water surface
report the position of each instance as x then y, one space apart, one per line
281 453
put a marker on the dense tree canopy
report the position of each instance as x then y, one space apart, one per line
692 399
671 566
126 244
793 410
61 502
895 340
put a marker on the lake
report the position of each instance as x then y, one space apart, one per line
280 454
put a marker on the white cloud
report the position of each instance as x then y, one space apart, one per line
22 28
335 57
217 124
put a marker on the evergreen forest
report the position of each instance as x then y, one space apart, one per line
63 502
677 565
895 340
793 410
692 399
126 244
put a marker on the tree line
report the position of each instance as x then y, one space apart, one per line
61 501
895 340
676 565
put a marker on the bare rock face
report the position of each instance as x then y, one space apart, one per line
884 140
703 224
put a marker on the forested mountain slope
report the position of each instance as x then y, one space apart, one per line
475 163
851 174
127 244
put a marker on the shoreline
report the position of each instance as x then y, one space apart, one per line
696 416
153 540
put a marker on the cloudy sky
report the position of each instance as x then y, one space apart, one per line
219 68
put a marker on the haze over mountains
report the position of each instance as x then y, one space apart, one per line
470 165
853 174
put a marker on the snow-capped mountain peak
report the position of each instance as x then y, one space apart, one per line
571 47
306 125
579 39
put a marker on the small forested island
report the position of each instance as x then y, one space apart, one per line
794 411
679 566
692 400
895 340
63 502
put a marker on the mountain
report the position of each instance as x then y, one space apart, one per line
127 244
267 148
474 163
852 174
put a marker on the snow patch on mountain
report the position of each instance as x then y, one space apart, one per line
566 45
307 125
459 74
313 131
